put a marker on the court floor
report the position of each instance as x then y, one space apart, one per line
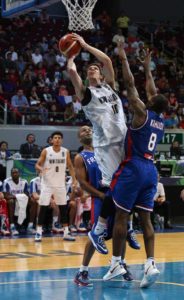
46 270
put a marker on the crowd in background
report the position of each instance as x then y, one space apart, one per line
33 77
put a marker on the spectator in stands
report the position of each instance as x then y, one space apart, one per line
118 37
161 206
40 81
44 44
49 141
37 56
8 63
34 100
171 120
16 193
30 149
46 96
173 102
21 64
14 55
60 59
50 58
122 23
175 150
19 101
69 114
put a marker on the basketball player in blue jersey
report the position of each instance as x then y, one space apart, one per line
89 177
135 181
103 107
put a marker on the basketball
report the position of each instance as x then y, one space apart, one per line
69 47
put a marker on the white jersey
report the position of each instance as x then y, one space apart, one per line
35 185
55 165
11 187
104 110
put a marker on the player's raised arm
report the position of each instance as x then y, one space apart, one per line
75 78
150 84
136 104
106 62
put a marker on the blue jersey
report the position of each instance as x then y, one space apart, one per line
134 183
141 142
94 173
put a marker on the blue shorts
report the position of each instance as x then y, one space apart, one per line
134 185
96 207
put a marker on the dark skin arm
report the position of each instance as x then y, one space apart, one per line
82 177
150 84
137 106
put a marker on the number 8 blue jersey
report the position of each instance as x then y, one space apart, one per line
141 142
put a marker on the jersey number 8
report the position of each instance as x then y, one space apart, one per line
152 141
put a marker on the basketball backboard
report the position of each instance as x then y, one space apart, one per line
13 8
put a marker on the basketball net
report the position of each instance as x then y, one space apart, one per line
79 14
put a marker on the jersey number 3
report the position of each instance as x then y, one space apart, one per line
152 141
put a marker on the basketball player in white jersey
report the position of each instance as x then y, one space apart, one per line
12 188
103 107
52 164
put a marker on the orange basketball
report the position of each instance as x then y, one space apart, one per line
69 47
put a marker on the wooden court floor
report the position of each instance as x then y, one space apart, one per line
40 269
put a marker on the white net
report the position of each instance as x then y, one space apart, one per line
80 14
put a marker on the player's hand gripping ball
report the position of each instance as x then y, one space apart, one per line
68 47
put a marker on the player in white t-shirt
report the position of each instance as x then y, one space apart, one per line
52 164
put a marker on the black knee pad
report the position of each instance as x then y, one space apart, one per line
108 207
42 215
63 213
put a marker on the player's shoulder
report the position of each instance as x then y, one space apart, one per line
8 180
22 180
63 149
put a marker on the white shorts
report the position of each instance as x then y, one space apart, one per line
108 159
59 195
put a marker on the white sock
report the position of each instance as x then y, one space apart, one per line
12 225
100 227
150 261
123 261
83 268
66 230
130 225
115 259
39 229
30 225
54 220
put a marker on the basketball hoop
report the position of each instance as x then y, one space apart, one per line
80 14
